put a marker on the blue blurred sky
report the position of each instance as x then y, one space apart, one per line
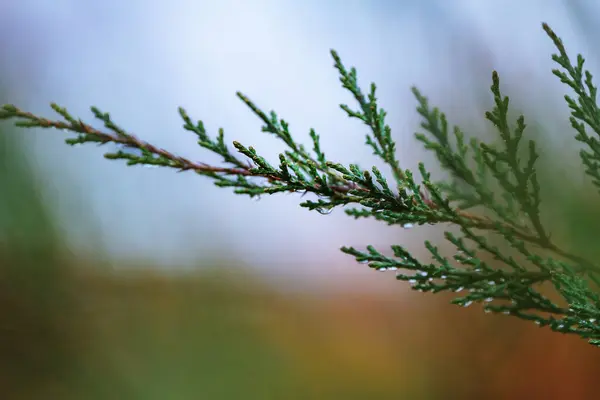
140 60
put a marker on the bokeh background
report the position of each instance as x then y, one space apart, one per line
137 283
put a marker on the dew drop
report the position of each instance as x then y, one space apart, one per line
487 310
592 320
506 312
468 303
491 283
537 323
489 299
324 211
382 269
407 226
459 289
423 273
412 281
561 326
392 268
444 276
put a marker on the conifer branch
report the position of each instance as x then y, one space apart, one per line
492 190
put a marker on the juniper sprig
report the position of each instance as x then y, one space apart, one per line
493 193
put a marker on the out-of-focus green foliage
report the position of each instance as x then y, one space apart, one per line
36 302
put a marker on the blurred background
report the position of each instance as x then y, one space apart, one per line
136 283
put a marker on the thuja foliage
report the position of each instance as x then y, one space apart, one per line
492 193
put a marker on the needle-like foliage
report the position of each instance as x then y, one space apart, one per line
493 193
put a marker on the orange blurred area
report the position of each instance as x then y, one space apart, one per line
142 335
